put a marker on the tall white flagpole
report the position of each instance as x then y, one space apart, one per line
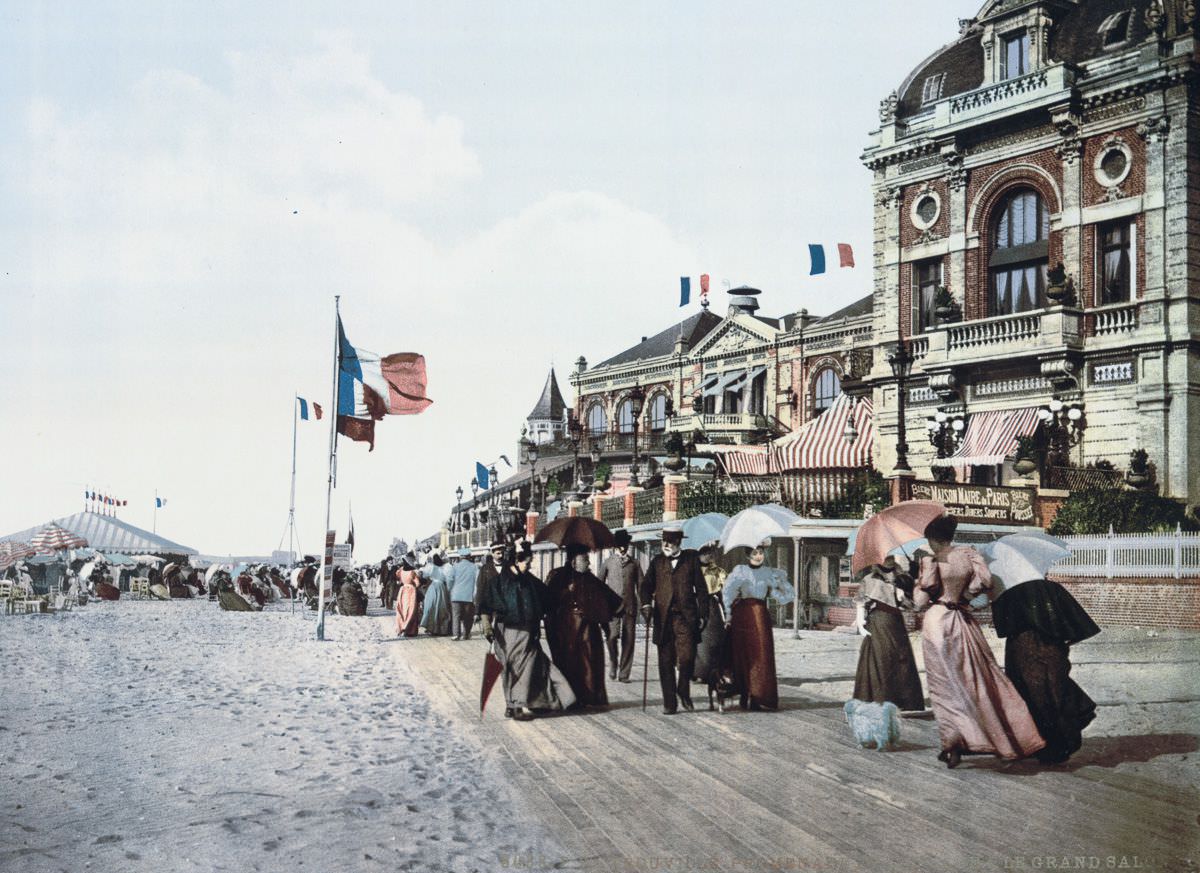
333 413
155 528
292 499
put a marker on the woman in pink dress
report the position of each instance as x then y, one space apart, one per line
977 708
408 600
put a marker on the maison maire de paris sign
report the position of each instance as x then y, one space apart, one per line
981 503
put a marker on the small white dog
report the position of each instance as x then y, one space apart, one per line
877 723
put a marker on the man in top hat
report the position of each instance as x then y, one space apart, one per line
674 598
488 573
623 574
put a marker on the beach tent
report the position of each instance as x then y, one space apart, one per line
107 533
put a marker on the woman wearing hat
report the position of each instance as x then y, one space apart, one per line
513 606
435 614
752 642
710 647
579 608
977 708
887 669
408 598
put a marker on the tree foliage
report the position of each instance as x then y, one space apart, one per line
1094 510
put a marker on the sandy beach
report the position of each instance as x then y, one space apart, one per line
173 736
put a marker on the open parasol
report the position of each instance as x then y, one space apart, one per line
53 538
752 526
1021 558
892 527
701 529
577 531
12 551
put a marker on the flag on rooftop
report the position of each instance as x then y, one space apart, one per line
816 255
685 290
370 387
481 475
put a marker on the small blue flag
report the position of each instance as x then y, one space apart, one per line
303 409
817 253
685 290
481 475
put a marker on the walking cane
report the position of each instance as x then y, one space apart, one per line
646 665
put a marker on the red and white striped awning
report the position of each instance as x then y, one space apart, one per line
741 460
991 437
821 444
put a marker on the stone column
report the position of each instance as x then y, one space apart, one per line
531 520
597 505
573 507
900 484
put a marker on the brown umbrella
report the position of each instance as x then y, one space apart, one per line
492 668
577 531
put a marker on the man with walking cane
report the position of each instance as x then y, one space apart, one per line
674 599
623 574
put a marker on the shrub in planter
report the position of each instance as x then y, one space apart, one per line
1094 510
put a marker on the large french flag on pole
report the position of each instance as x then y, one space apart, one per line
371 386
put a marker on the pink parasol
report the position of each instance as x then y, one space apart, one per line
890 528
53 538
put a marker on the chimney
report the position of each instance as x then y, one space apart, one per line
581 364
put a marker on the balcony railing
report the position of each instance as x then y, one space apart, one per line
994 331
1080 478
648 506
1115 319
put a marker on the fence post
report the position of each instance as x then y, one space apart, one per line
1108 560
1178 551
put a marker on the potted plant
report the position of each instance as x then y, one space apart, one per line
1026 461
1138 475
600 478
674 449
945 306
1056 283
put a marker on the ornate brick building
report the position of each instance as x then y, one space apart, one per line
1043 170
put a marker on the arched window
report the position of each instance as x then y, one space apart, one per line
597 420
826 389
658 412
625 417
1020 253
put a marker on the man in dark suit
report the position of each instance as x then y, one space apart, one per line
674 597
487 574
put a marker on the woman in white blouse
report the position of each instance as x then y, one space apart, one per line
752 643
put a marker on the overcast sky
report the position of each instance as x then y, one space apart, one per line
500 187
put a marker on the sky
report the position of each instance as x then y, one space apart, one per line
185 187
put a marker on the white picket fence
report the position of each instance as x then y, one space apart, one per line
1162 555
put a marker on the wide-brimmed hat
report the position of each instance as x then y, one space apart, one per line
497 543
463 553
621 538
673 534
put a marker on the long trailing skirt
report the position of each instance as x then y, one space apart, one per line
530 679
577 649
976 706
887 670
1040 670
435 615
752 653
408 611
711 651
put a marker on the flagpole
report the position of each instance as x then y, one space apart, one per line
333 414
292 499
155 528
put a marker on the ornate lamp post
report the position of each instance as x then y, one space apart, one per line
575 435
458 493
637 400
531 452
1064 423
595 451
901 362
494 500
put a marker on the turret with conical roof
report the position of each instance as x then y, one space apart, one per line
547 422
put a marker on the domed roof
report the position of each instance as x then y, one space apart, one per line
1077 36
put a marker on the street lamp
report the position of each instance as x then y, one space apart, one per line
458 492
575 435
850 432
493 501
637 400
531 452
1064 423
901 363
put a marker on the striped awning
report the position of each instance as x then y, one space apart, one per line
821 444
991 437
743 460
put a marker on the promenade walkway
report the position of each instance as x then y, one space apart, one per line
626 790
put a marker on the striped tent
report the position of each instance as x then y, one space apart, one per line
742 460
991 437
821 444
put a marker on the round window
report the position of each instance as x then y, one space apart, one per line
1113 163
925 210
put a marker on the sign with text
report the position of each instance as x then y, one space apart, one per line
327 581
342 556
986 504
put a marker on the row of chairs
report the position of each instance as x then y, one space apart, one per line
18 600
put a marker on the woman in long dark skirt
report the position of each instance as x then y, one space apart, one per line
749 629
887 669
1041 621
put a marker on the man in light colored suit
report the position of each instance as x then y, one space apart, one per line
623 574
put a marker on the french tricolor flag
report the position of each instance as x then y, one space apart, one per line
371 386
816 254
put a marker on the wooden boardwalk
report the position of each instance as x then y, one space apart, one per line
627 790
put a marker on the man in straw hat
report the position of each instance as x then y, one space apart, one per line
623 574
674 600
